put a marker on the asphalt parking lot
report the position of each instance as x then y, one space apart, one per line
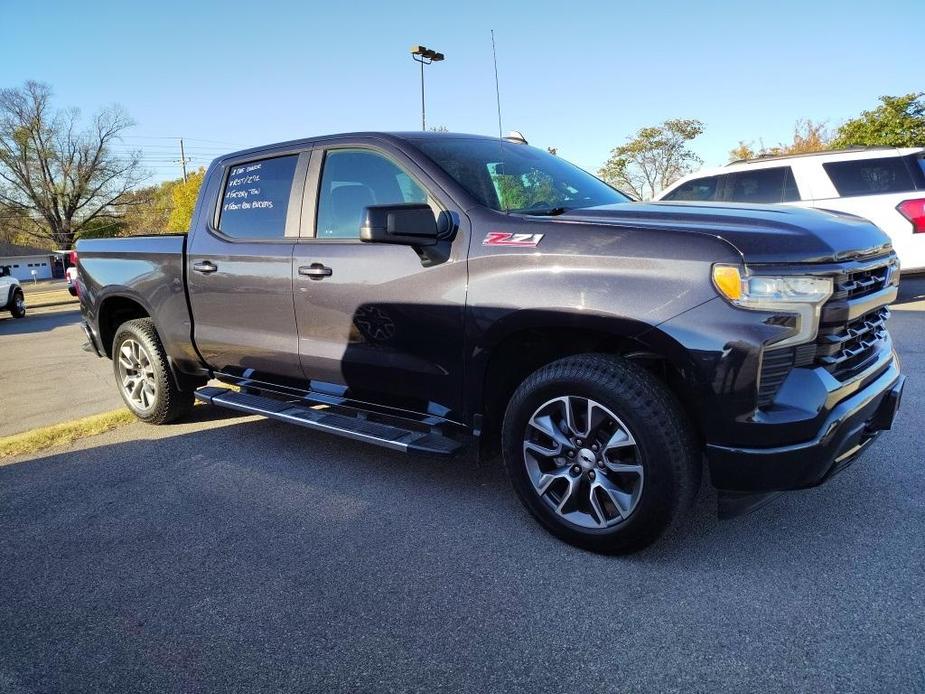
237 554
45 376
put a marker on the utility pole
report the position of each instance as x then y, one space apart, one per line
183 159
424 56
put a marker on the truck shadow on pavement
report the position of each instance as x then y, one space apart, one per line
38 322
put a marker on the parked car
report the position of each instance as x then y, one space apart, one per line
71 274
421 291
11 294
884 185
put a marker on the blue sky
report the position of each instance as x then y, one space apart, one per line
580 76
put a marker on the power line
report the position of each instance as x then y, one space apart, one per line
190 139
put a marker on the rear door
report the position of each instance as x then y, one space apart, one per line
240 267
378 323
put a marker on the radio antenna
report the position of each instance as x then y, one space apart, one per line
494 55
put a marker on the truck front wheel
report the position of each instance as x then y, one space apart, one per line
143 374
600 452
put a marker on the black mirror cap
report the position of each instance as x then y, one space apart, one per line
408 224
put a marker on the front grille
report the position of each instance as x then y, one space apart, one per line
842 347
850 285
848 346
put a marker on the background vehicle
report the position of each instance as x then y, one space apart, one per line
11 294
70 274
420 290
884 185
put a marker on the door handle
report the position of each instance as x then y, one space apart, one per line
315 271
205 267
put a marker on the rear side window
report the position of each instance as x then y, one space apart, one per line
870 176
697 189
761 185
256 198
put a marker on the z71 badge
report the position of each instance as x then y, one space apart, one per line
503 238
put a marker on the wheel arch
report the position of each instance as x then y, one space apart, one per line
114 310
11 295
528 345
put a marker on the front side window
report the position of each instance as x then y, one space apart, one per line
256 198
354 179
870 176
512 177
698 189
757 185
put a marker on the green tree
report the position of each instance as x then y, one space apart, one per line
183 200
899 121
653 158
55 175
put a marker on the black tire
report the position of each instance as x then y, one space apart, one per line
663 451
166 402
18 304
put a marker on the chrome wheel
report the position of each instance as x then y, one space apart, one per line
20 303
136 373
583 461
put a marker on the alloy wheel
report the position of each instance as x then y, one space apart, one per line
136 373
583 462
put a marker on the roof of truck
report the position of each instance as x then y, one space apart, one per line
412 135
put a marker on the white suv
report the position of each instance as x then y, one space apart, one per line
11 296
884 185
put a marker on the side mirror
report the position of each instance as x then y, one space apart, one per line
410 224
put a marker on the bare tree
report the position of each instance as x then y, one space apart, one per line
654 158
57 178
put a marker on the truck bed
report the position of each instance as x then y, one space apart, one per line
147 270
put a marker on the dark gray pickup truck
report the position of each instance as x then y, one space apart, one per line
422 291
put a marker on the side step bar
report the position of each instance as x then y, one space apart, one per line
358 428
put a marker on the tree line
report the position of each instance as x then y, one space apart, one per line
62 178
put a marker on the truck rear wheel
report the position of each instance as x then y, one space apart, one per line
18 305
600 452
143 374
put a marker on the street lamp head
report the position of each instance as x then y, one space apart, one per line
425 54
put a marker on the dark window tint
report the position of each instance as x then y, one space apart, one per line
757 185
697 189
870 176
354 179
917 164
256 198
791 192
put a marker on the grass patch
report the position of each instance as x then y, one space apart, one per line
37 300
62 434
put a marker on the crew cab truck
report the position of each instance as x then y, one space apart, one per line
420 291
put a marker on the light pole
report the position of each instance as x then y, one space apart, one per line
424 56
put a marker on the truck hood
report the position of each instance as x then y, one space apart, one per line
760 233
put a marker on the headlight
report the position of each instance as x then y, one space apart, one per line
801 296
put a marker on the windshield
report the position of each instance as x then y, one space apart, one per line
512 177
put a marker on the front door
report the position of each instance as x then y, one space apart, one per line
377 322
240 268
